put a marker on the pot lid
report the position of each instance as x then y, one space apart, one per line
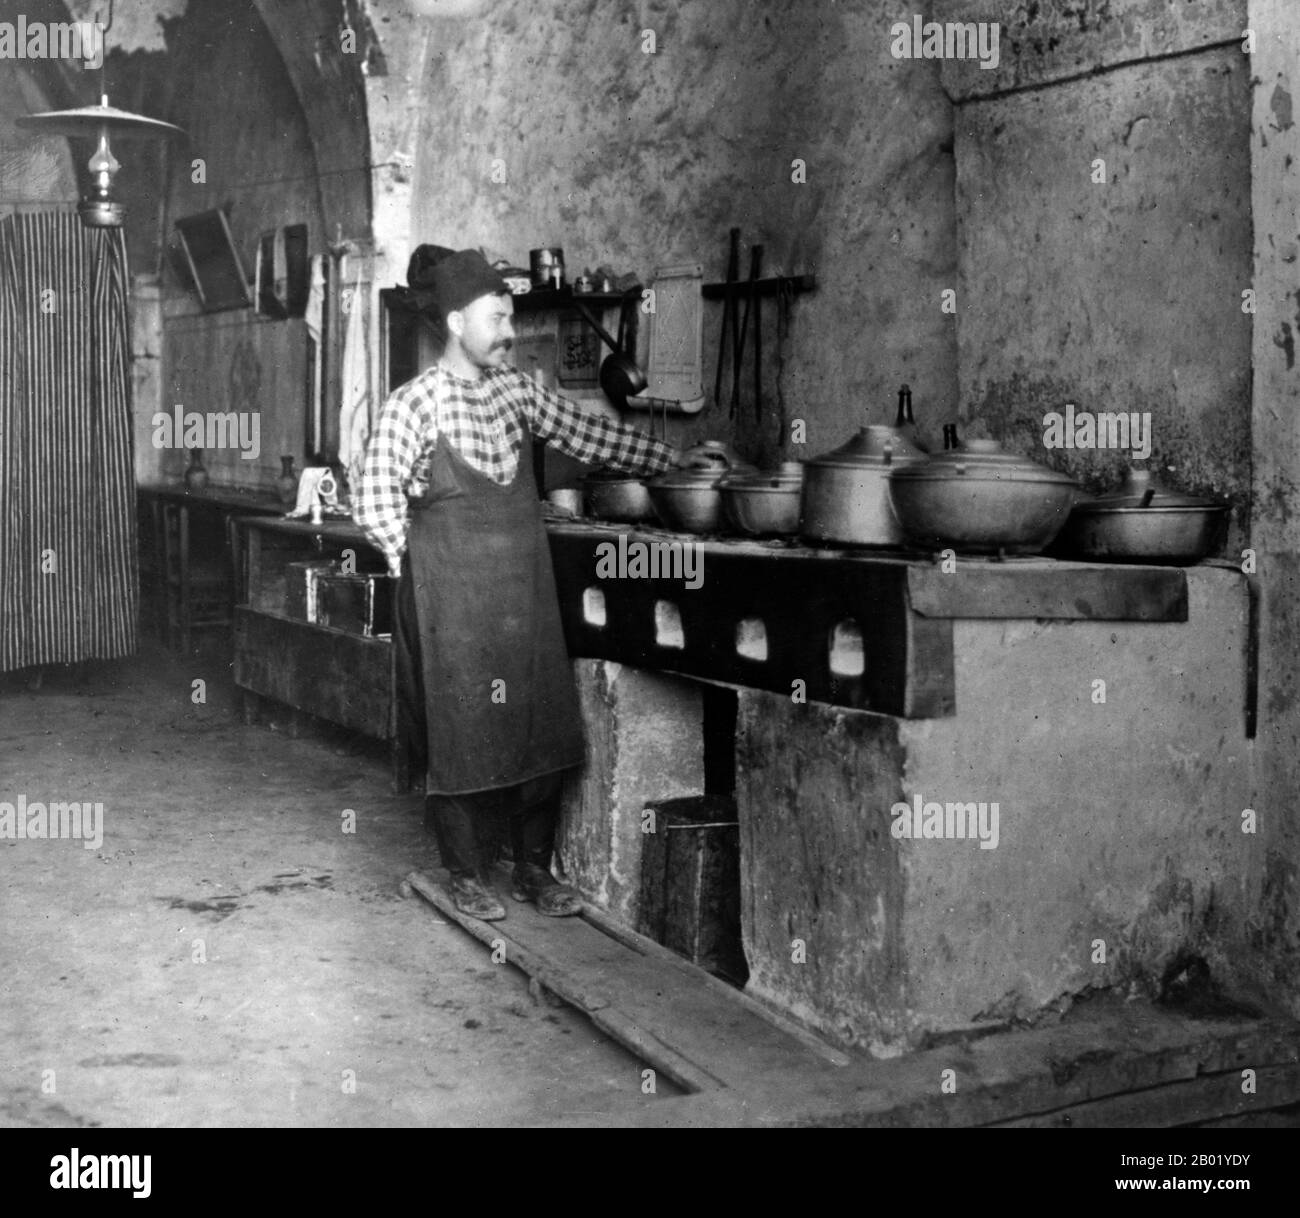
982 460
689 479
714 455
788 475
876 446
1142 490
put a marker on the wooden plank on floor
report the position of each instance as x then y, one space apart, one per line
1106 1056
696 1030
1112 1064
1200 1099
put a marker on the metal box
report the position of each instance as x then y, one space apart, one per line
359 604
690 882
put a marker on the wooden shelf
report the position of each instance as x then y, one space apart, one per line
538 301
762 287
341 676
563 298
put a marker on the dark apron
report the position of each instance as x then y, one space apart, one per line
501 705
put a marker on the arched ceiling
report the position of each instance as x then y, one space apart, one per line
329 83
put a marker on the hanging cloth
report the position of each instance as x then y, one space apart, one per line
314 316
354 415
68 568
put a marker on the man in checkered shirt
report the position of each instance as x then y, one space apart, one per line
448 495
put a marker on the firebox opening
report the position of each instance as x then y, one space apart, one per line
751 639
593 607
668 626
848 659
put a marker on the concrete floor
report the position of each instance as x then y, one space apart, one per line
224 841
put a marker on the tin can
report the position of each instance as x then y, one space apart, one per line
547 267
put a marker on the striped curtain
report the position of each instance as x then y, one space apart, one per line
68 573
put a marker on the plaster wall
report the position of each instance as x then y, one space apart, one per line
641 160
1104 238
1118 821
1275 159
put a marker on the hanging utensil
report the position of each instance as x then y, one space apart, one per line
738 356
758 336
784 297
620 378
728 306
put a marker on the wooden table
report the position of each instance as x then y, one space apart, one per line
188 561
341 676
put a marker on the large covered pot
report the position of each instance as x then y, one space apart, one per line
846 491
979 499
1143 522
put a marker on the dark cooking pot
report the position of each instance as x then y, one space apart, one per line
688 500
846 492
1143 522
614 495
977 498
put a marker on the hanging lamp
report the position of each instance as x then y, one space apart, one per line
101 123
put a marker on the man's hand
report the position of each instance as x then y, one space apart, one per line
395 567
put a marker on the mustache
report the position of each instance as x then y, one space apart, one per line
508 345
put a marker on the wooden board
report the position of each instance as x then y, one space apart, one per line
341 677
801 600
699 1032
1117 1064
1202 1099
1142 1066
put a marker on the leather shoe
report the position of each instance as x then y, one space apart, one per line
474 898
555 900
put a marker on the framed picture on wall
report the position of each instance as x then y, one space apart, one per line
214 264
578 353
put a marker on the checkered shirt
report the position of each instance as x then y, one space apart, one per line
486 422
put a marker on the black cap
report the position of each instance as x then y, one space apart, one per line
461 279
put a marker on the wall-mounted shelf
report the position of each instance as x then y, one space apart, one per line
563 298
763 287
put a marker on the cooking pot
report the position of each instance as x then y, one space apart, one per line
977 498
690 499
566 498
846 492
766 503
1143 522
614 495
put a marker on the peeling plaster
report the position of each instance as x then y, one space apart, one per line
136 27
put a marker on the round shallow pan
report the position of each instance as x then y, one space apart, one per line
1142 522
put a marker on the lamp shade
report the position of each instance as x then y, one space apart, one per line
102 123
89 122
